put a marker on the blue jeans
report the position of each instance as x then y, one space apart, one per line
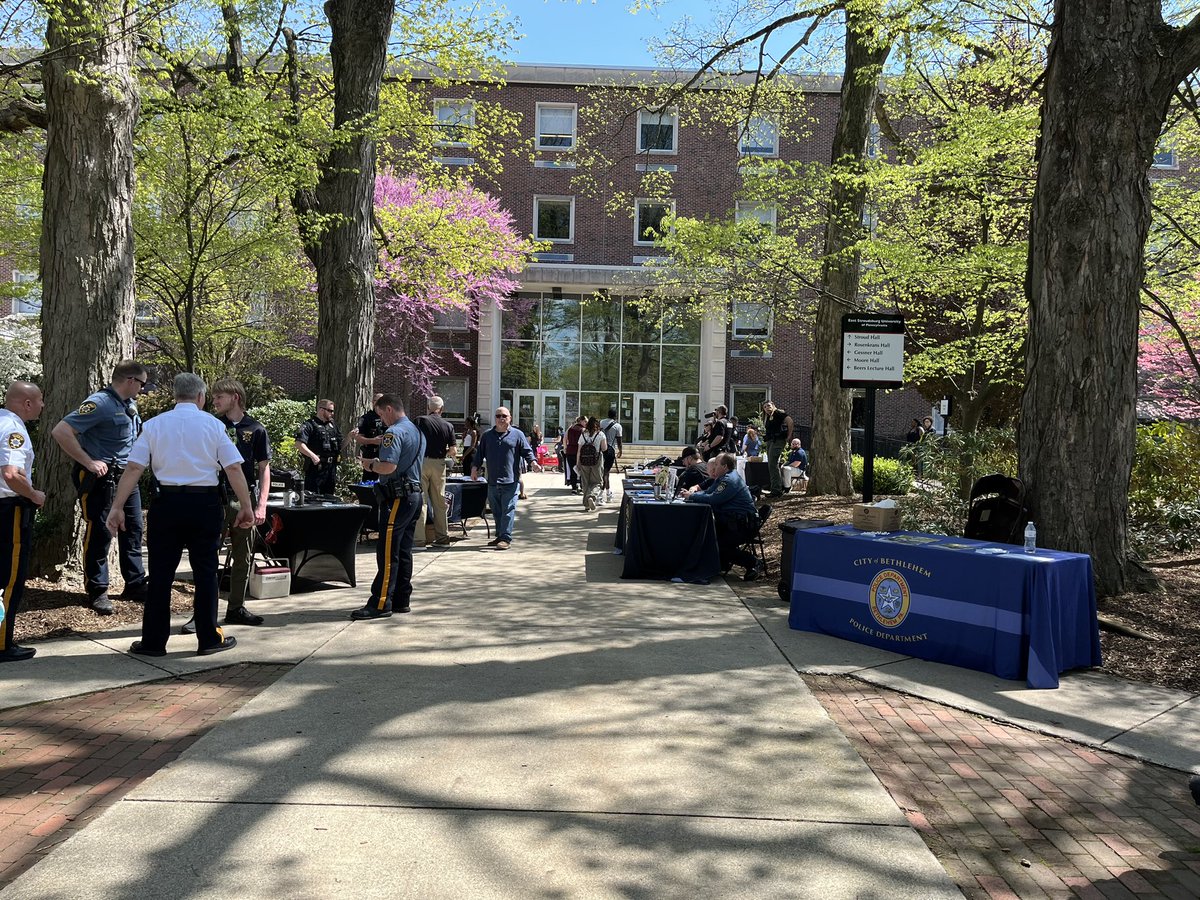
502 498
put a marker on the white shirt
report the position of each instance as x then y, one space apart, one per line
16 449
185 446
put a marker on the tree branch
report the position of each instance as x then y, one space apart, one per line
21 115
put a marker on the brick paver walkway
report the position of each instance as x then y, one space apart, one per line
1013 814
63 762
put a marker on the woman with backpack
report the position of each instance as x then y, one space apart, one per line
589 462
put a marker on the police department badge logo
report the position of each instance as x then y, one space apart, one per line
16 441
889 598
388 440
245 437
86 407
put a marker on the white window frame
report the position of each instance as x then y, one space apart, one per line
637 208
747 388
748 129
674 114
752 333
439 388
1172 163
550 148
453 313
468 124
557 198
21 306
744 212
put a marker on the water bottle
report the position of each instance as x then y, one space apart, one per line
1030 538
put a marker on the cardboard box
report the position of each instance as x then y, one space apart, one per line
270 582
868 517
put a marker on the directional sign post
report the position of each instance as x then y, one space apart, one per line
872 357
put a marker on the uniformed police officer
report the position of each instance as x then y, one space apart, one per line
734 513
98 436
320 443
398 469
186 448
368 433
18 502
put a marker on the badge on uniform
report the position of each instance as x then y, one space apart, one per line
86 407
245 437
721 487
389 440
16 441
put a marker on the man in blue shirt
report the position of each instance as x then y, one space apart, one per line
98 437
500 447
734 512
398 468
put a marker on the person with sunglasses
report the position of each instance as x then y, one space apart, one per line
98 436
501 448
319 442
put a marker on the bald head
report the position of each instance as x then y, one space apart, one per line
25 399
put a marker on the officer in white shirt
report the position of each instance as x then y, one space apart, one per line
186 448
18 502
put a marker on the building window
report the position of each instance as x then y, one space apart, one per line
658 132
453 392
1165 159
28 299
554 219
756 211
760 137
452 318
648 219
746 400
555 126
455 119
751 321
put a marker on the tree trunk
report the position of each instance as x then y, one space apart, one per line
87 233
1112 69
866 52
344 255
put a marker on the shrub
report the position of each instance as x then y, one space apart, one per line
892 476
282 419
1164 488
950 464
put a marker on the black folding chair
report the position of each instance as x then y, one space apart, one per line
996 510
755 542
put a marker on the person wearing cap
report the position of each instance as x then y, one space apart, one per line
98 436
694 471
19 500
733 511
186 449
717 438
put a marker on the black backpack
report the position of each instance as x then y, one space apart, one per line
589 455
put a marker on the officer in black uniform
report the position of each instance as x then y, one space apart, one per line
19 500
320 443
368 434
98 436
398 469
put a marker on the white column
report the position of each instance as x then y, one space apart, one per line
712 364
488 362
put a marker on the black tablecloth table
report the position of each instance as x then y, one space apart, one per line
667 540
318 541
465 499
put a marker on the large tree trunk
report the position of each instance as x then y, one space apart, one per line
87 233
1111 73
866 52
344 255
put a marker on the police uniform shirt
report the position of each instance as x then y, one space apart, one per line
250 438
106 425
728 496
370 426
16 449
185 446
322 438
403 445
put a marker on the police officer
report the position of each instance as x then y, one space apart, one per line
18 502
98 436
320 443
734 513
186 448
398 469
368 433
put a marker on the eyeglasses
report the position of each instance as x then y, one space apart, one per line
502 416
138 380
325 408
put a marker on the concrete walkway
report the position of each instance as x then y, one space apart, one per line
537 728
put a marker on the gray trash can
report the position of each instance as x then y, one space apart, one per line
789 529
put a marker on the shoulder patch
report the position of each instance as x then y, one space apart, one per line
721 486
16 441
87 407
389 440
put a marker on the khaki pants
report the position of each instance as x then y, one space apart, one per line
433 486
591 478
239 575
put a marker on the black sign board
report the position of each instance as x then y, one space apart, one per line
872 351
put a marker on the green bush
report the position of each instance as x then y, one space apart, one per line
892 476
282 419
1164 488
950 464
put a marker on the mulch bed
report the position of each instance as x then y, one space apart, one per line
55 610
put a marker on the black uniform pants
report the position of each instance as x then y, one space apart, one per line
320 479
392 587
179 520
16 542
95 502
732 532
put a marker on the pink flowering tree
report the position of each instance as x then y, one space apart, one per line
447 251
1169 359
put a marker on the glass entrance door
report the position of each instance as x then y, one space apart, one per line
524 411
674 419
660 418
553 412
645 418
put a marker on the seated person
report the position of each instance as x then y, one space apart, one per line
796 468
751 443
693 472
734 513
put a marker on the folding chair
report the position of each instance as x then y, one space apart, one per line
996 510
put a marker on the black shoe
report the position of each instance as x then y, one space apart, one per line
753 573
135 593
401 609
102 605
16 654
188 627
228 644
241 616
142 650
371 612
493 542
